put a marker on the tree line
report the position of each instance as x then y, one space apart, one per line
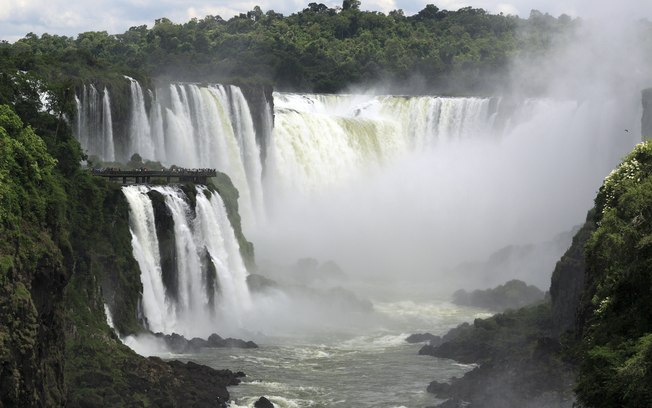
318 49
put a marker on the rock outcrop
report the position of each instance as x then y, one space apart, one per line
179 344
512 295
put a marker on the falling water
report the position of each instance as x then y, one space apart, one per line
185 125
139 128
211 294
146 252
94 127
318 141
108 148
321 141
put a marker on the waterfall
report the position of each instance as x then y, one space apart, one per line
94 126
108 149
249 150
211 292
139 129
421 186
155 305
186 125
321 141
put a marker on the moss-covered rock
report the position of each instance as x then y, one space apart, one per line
225 188
33 244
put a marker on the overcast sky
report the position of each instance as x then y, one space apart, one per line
71 17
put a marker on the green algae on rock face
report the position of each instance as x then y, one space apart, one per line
225 188
32 274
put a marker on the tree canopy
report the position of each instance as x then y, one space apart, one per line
316 49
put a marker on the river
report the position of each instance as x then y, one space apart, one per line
373 369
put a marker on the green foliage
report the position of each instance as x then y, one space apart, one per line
31 209
618 297
318 49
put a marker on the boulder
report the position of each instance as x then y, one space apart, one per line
263 403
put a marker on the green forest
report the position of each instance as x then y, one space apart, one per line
318 49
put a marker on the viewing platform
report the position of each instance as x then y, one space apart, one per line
145 176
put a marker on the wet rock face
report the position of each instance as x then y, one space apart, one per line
259 97
646 120
568 281
179 344
512 295
263 403
167 243
31 323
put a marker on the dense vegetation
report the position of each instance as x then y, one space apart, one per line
317 49
65 252
33 238
616 318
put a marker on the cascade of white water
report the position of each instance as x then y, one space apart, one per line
467 185
320 141
215 99
139 129
198 307
94 121
79 123
191 290
157 128
249 149
187 125
94 126
156 308
224 250
181 149
108 149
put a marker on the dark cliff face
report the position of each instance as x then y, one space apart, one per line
32 278
167 243
568 280
646 120
225 188
34 268
259 98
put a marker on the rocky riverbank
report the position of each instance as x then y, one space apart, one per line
519 364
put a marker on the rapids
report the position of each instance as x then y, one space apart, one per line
376 369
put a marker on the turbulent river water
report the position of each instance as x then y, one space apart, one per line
373 369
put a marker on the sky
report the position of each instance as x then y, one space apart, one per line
71 17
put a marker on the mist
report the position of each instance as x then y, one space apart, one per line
411 220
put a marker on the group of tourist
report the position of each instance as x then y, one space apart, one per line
105 170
